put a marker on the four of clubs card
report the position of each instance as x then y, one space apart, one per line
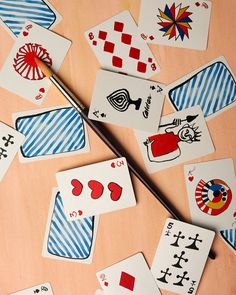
95 189
126 101
181 256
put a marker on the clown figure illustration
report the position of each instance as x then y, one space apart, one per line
165 146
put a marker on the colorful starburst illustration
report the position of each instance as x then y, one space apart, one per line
175 21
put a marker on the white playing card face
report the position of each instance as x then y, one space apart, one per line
43 289
71 241
118 47
50 133
20 74
211 189
181 256
13 15
10 142
181 136
175 23
126 101
211 86
130 276
99 292
96 189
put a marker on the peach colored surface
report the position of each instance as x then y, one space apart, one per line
25 191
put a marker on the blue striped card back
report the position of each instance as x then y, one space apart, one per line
213 88
51 132
229 235
69 239
14 13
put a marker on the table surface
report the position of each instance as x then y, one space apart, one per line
25 191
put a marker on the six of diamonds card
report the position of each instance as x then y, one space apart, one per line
181 256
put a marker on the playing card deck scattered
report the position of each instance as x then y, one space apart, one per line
86 191
182 136
130 276
212 87
211 188
43 289
68 240
13 14
178 23
118 47
126 101
10 142
20 73
51 132
181 256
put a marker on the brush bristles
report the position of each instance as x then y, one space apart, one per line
45 69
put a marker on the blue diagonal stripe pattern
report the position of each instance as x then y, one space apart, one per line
69 239
213 88
14 13
229 235
52 132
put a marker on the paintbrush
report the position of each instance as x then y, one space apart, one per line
109 140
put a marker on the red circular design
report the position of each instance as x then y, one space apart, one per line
24 62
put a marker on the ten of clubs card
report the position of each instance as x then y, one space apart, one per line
10 142
126 101
118 47
175 23
20 73
96 188
181 256
130 276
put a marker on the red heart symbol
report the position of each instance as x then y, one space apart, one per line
42 90
116 191
97 189
80 212
190 178
113 165
78 187
25 33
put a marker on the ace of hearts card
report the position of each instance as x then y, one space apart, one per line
127 101
20 73
175 23
95 189
129 276
211 188
181 256
118 47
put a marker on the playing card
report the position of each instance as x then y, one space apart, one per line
51 132
10 142
126 101
182 136
72 241
20 73
130 276
118 47
99 292
178 23
211 188
181 256
95 189
13 14
211 86
43 289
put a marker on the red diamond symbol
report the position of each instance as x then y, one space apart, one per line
102 35
117 61
149 59
118 26
134 53
127 281
94 42
142 67
109 47
126 38
151 38
106 284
